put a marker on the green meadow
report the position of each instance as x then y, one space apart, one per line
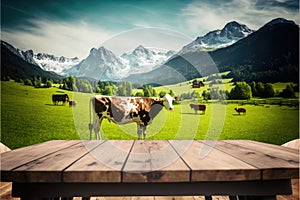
28 116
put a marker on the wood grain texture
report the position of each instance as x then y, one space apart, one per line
103 164
49 168
275 163
216 165
16 158
154 161
149 161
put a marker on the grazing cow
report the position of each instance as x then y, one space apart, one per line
56 98
197 107
240 110
72 103
123 110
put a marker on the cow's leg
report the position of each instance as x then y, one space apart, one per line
139 131
196 111
96 126
98 134
144 132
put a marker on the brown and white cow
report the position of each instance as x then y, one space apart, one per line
123 110
240 110
197 107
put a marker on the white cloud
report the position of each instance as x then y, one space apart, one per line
76 39
201 17
153 38
68 39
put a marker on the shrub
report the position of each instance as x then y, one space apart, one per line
28 82
241 91
288 92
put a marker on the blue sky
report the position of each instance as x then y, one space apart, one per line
72 27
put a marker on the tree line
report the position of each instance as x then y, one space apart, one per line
109 88
243 90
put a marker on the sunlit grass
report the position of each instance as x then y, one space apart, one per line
28 117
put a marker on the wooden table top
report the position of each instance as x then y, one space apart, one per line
105 161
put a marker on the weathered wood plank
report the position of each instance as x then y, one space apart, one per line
271 149
271 165
18 157
216 165
103 164
49 168
154 161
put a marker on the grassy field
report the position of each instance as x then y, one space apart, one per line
28 117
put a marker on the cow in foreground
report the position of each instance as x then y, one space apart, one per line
123 110
240 110
56 98
197 107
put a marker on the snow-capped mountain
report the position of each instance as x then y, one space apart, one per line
142 59
54 63
44 61
231 33
25 55
105 65
101 64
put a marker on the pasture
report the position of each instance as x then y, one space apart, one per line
28 116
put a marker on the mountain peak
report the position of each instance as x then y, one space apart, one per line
102 48
140 47
231 33
232 24
280 21
142 51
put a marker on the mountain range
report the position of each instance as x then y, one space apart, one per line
17 64
272 49
231 33
103 64
270 54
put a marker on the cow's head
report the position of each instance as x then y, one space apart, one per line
168 102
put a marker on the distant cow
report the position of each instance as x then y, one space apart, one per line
72 103
123 110
197 107
56 98
240 110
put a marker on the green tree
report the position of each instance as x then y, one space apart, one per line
49 83
28 82
288 92
125 89
206 95
171 93
253 88
98 90
195 94
149 91
260 89
38 82
269 90
162 94
109 90
139 94
122 89
241 91
128 89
